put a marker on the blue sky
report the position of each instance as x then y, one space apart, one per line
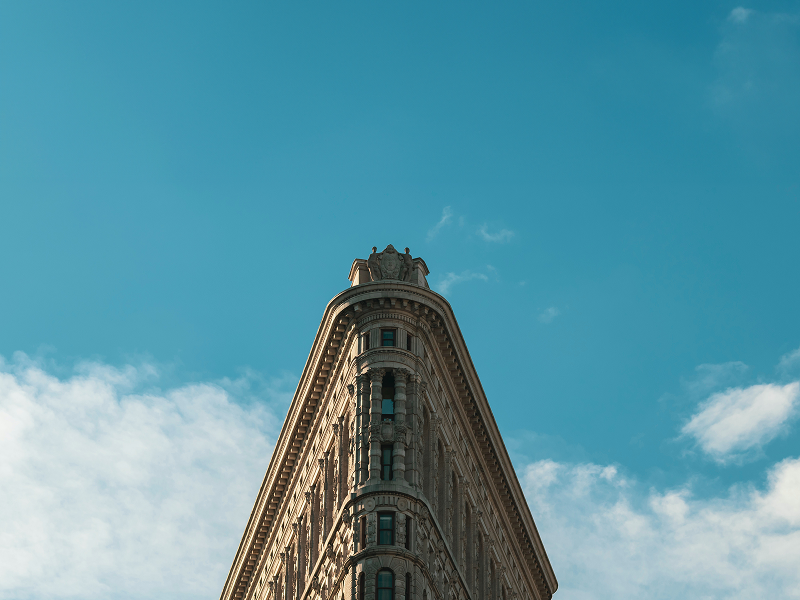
608 194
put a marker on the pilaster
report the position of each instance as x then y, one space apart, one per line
399 450
376 382
362 430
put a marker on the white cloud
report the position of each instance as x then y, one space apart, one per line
450 279
789 362
447 216
738 419
548 314
740 14
108 490
609 538
504 235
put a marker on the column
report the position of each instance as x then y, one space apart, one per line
301 557
447 525
362 429
424 448
399 450
287 578
342 491
414 425
312 527
376 381
334 466
326 495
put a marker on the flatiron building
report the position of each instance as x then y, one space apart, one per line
389 480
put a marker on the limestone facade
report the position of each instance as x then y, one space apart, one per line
389 480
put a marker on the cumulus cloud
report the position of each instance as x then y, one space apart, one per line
739 419
451 279
609 538
447 217
548 314
112 488
504 235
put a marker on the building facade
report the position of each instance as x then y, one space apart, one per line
390 480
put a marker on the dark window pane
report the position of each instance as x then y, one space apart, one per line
363 533
386 462
386 528
385 585
387 408
388 337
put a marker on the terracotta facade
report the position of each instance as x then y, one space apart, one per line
389 480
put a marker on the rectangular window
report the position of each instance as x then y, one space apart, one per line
409 338
388 337
363 532
386 529
408 533
386 462
387 409
408 586
363 342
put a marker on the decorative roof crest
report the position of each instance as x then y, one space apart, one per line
389 265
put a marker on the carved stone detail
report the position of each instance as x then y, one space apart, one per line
390 264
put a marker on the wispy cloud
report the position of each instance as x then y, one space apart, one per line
450 279
739 419
112 488
447 217
608 536
548 314
789 362
740 14
504 235
758 70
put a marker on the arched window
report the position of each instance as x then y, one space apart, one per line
385 585
361 586
408 586
387 395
